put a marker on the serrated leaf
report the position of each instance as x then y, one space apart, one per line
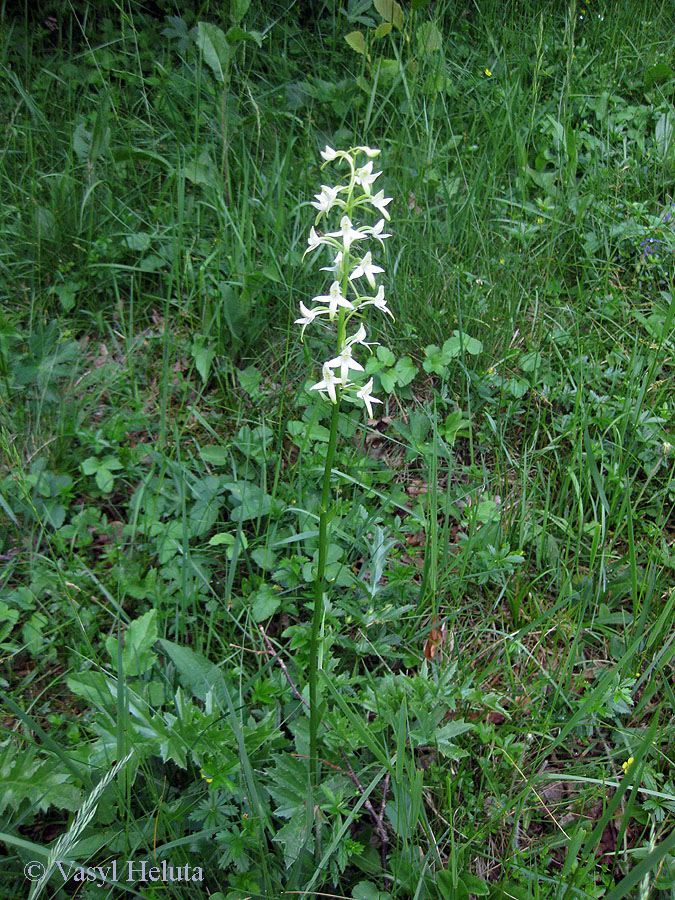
295 836
356 41
382 30
290 787
390 12
216 50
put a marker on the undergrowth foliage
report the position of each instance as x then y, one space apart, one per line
260 642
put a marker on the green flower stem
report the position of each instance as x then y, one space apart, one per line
319 600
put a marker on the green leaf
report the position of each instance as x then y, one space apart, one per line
265 603
215 455
302 431
405 371
104 479
366 890
203 356
197 674
140 240
664 135
382 30
139 638
252 501
356 41
238 34
390 12
32 633
428 39
658 74
216 50
238 9
90 465
263 557
249 379
475 885
385 356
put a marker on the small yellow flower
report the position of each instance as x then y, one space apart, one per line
488 73
540 221
206 778
626 765
501 262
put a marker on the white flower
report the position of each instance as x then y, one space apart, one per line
336 268
329 154
334 299
365 395
360 338
313 241
365 176
327 199
368 151
379 201
308 316
347 233
328 384
376 231
345 362
366 267
379 301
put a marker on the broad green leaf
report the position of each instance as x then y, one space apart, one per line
238 9
249 379
428 39
223 537
216 50
238 34
302 431
139 638
265 558
385 356
405 371
203 356
265 603
81 142
658 74
356 41
104 479
140 240
252 501
382 30
215 455
196 673
390 12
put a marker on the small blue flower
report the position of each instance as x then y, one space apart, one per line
650 245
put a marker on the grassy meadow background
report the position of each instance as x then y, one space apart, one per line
497 650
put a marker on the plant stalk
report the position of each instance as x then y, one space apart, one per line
317 617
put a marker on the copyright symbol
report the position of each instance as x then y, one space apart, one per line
34 870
